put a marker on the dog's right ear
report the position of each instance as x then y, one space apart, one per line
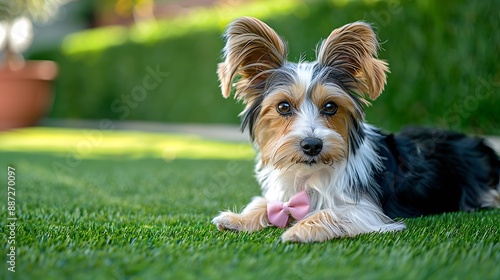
252 50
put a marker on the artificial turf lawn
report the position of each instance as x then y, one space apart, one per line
108 212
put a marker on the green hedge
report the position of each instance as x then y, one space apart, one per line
443 55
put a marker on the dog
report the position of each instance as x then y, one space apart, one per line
324 172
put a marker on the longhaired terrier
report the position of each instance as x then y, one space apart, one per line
324 172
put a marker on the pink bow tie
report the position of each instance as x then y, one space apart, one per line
279 212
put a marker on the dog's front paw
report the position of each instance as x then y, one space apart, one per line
253 217
250 221
317 227
228 221
306 233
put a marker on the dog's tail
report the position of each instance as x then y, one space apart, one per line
491 198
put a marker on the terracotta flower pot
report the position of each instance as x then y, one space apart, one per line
25 93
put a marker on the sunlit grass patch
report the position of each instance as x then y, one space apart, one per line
89 143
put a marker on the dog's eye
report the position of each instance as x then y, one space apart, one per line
330 108
284 108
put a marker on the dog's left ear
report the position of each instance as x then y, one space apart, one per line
353 48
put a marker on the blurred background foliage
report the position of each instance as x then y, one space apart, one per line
444 59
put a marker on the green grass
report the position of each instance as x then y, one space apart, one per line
109 212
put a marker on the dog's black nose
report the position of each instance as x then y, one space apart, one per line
311 146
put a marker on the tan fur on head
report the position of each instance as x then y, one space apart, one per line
353 48
252 49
